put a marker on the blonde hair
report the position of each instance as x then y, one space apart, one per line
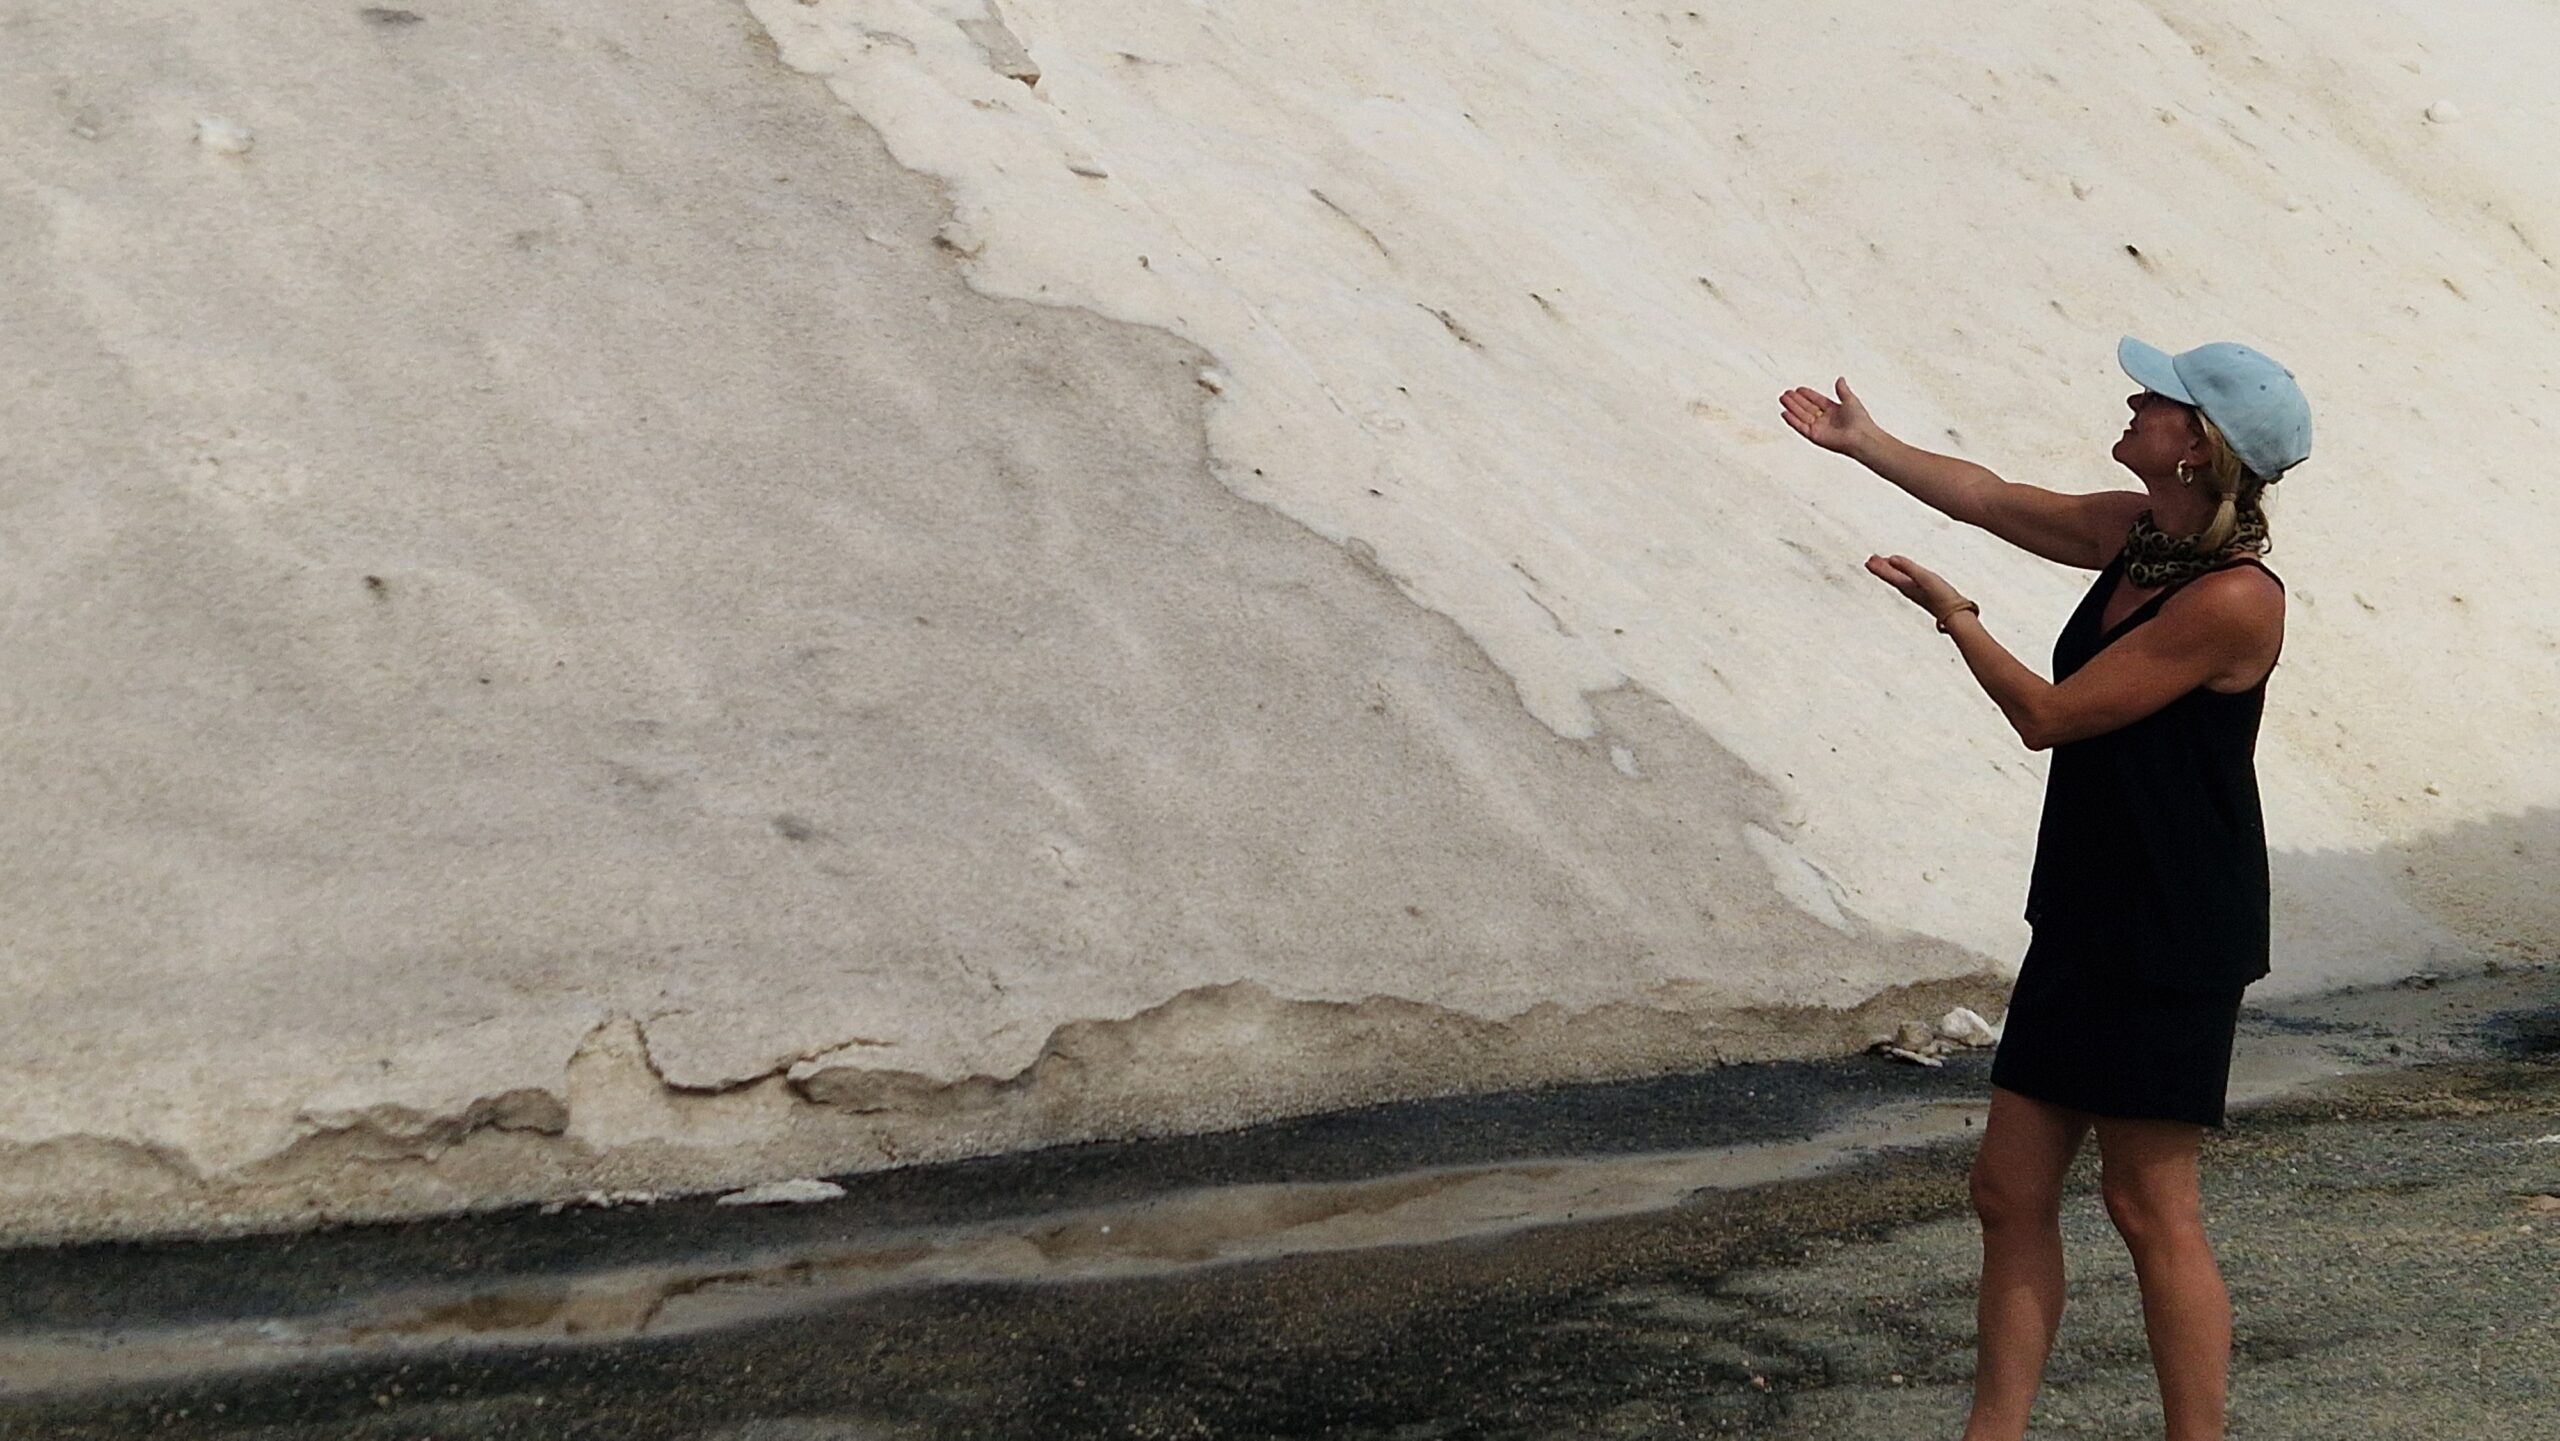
2236 488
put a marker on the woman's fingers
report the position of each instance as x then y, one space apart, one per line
1827 422
1913 582
1920 585
1933 587
1811 414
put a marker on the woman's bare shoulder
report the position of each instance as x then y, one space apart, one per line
2242 595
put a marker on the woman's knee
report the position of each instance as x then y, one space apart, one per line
2147 1212
2027 1146
2148 1177
2005 1198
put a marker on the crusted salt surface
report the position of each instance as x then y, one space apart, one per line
1493 281
1797 878
224 137
783 1193
767 643
1967 1028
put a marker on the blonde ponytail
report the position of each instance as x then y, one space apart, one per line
2224 525
2238 493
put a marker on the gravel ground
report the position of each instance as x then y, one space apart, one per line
2393 1254
2394 1273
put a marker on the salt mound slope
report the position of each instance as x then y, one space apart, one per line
578 628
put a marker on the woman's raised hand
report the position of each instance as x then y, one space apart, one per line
1835 425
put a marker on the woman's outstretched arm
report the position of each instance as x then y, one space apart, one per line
2081 530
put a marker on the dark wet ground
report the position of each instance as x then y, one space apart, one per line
2393 1272
287 1275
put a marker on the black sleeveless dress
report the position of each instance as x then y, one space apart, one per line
2149 900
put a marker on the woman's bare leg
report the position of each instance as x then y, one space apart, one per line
2027 1146
2151 1185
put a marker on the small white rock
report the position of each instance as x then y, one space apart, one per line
1913 1036
2444 112
1901 1053
783 1193
224 137
1086 166
1966 1028
1213 380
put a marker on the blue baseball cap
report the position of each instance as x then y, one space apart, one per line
2249 398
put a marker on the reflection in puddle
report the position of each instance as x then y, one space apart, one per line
1138 1238
1133 1238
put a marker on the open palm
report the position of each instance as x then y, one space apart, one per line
1834 424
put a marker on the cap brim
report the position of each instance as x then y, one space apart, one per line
2152 369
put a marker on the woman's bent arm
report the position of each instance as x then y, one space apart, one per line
2222 628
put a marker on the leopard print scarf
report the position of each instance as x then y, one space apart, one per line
2153 558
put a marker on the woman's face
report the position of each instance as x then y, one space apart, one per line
2162 434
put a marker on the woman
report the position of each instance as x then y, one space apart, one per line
2149 897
